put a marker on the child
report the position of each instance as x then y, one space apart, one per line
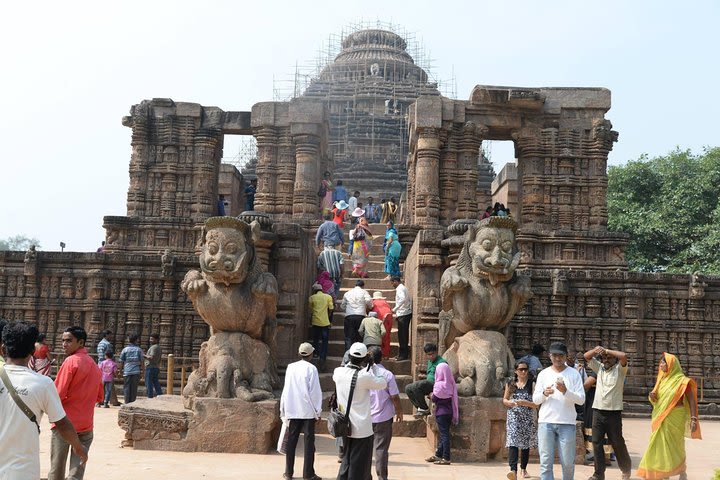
445 398
108 368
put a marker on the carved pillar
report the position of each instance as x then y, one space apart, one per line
467 170
285 174
266 173
305 200
427 189
447 175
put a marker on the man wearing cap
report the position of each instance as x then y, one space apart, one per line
533 359
607 408
557 390
384 405
358 446
356 302
329 233
301 404
403 312
321 308
372 330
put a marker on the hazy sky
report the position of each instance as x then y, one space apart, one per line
71 70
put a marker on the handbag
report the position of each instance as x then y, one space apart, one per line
18 401
338 423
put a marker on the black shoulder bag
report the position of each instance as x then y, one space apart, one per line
18 401
338 423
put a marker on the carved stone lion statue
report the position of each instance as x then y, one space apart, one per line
482 292
238 300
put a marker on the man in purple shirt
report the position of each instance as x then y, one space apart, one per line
384 405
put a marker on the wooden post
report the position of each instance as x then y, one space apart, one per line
170 373
182 379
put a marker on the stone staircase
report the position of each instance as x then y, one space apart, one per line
409 427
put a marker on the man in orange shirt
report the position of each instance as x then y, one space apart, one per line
79 384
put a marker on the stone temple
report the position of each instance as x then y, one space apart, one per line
373 111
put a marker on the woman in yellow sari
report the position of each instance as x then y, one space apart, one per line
674 416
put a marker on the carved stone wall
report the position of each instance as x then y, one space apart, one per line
120 292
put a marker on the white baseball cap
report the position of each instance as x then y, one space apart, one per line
305 349
358 350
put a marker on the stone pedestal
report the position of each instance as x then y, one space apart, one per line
480 435
215 425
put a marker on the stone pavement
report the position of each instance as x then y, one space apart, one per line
109 461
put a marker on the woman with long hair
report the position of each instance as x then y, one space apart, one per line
41 360
674 417
520 425
445 398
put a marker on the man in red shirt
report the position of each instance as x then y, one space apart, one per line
79 384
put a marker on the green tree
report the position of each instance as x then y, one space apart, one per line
18 242
669 206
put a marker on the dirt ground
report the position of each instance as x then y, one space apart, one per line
109 461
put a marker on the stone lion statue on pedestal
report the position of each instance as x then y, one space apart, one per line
238 300
482 292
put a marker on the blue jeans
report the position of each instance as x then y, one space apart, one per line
320 340
107 386
152 383
562 435
443 448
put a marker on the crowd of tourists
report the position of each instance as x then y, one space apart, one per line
542 408
27 392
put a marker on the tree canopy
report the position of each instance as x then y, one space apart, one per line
669 205
18 242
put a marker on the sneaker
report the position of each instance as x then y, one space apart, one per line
106 406
442 461
432 459
314 477
512 475
421 412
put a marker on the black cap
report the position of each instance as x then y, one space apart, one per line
558 348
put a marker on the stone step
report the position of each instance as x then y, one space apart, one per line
371 284
389 294
401 367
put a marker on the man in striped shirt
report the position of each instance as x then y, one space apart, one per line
331 260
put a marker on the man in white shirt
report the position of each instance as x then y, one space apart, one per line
558 389
20 452
301 404
358 448
403 313
607 408
356 302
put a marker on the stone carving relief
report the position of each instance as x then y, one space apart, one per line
168 263
482 292
239 302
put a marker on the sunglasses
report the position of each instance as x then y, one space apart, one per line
522 369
